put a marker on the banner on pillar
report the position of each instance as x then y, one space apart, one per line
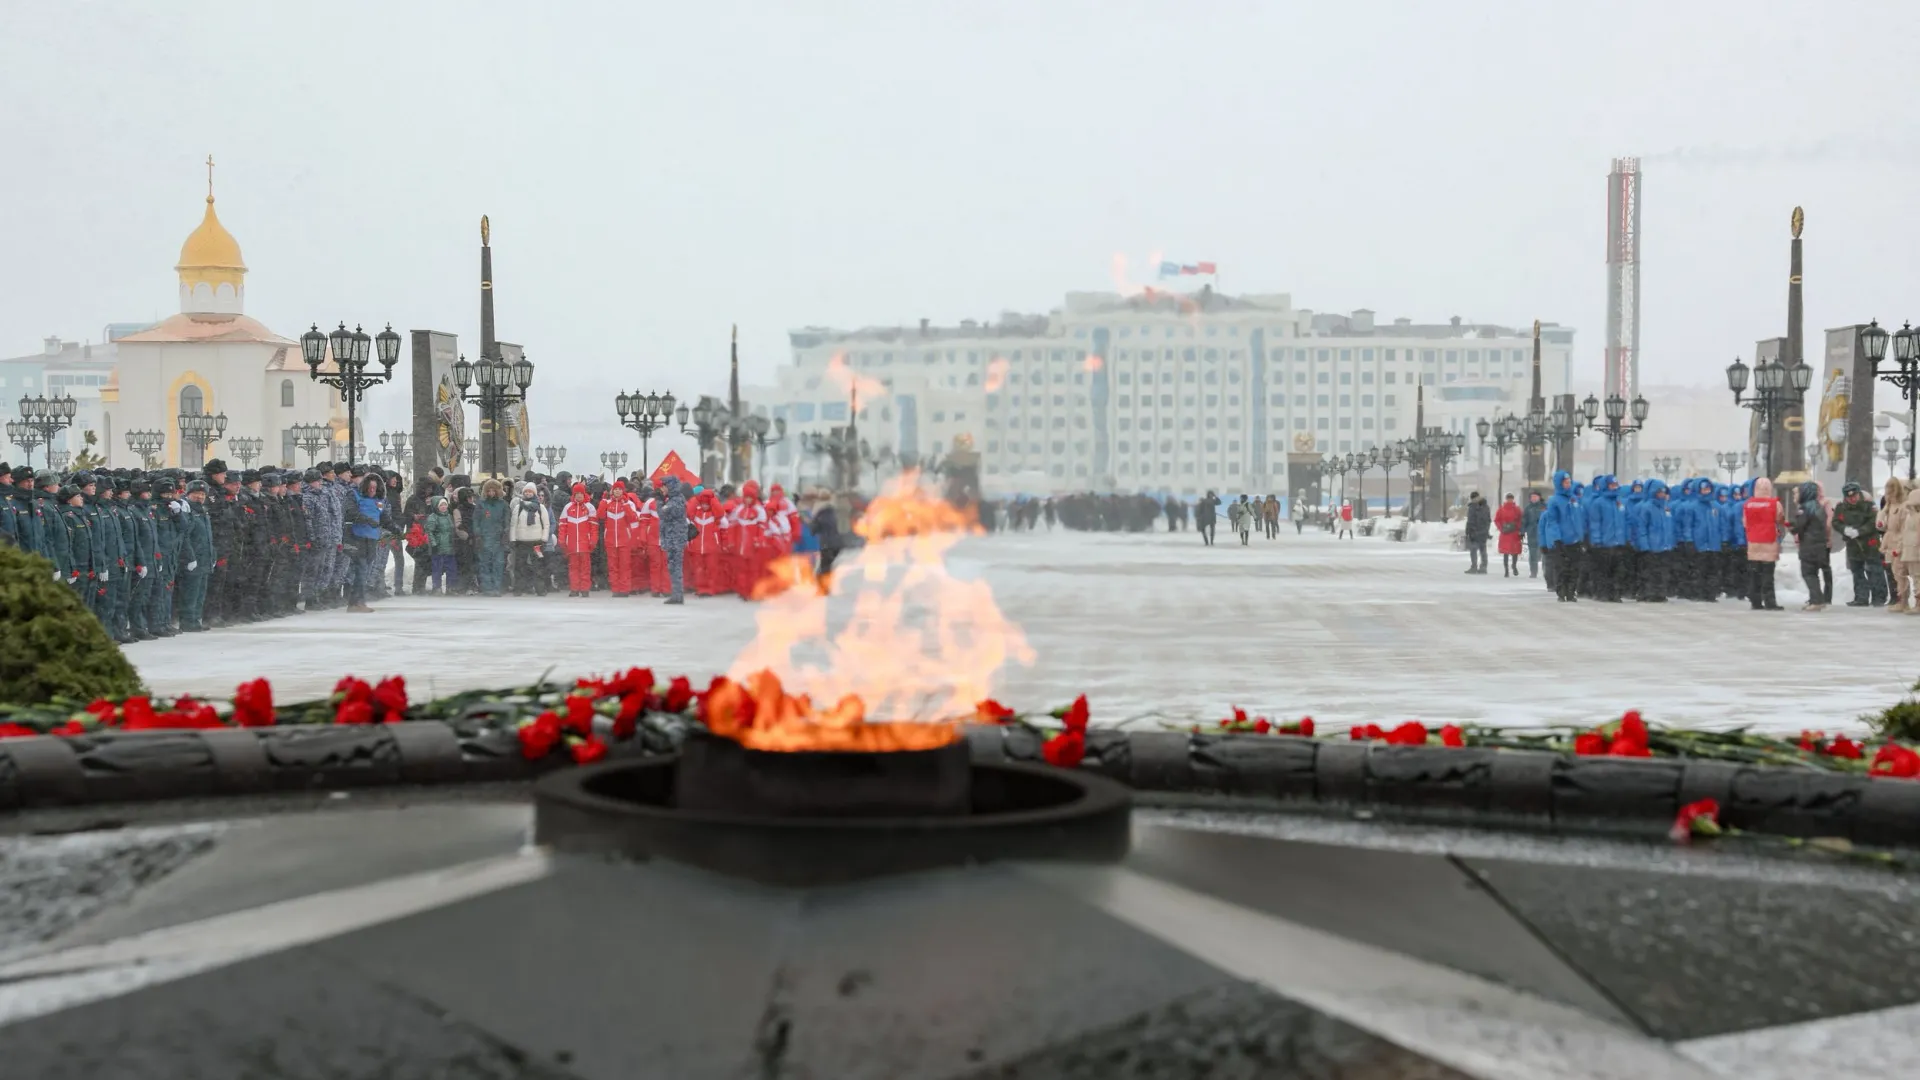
439 418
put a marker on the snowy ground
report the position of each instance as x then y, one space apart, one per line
1157 625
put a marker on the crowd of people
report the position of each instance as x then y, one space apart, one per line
155 553
1698 540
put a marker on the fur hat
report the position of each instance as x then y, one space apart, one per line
214 468
67 494
197 485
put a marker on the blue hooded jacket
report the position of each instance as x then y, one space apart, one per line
1653 519
1561 523
1710 527
1736 509
1631 500
1606 519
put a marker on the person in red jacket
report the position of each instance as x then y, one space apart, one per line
702 512
750 540
619 521
646 563
783 523
1508 522
579 532
1765 519
726 564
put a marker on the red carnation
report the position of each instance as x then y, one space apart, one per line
350 688
1843 747
1696 819
390 699
579 714
14 731
1896 761
679 694
1262 725
1810 740
1411 733
990 711
1366 732
1306 726
139 713
71 727
587 751
538 736
1451 735
354 712
252 704
1631 739
188 713
102 710
1590 744
1075 715
1065 749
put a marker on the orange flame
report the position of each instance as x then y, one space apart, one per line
760 715
1092 363
996 374
919 644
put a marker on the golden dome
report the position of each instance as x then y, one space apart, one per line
211 246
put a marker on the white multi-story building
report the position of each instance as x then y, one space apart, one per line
1157 391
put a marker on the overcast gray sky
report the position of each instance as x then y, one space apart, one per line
657 171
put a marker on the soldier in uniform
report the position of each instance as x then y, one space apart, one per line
27 510
9 529
78 526
146 552
218 502
53 527
103 544
166 547
197 557
132 564
317 499
301 553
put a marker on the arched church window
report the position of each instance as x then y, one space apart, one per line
286 393
190 402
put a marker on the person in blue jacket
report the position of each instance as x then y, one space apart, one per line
1732 505
1632 566
1709 539
1606 523
1561 533
1653 531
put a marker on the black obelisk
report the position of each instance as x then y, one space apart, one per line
1789 442
490 455
738 451
1536 406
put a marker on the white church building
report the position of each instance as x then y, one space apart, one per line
213 359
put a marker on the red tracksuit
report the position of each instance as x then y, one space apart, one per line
578 535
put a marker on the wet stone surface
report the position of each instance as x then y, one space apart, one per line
49 884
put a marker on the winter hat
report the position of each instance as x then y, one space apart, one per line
312 476
214 467
68 493
141 487
528 488
47 478
579 489
250 476
197 485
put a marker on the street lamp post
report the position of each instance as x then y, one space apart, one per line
613 461
57 459
1777 389
470 452
1667 467
311 439
842 448
706 421
645 414
147 443
1905 373
1439 448
44 417
1732 461
1391 454
494 385
23 435
351 374
1562 427
550 457
199 431
875 457
395 442
1891 448
1617 427
766 433
246 448
1506 433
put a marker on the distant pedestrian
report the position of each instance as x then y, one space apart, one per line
1479 528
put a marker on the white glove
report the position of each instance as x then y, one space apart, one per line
1852 533
103 575
194 565
143 571
57 575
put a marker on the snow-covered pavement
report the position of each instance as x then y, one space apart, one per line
1158 626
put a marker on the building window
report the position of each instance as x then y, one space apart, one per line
1390 377
1346 401
1166 401
286 393
1213 400
1187 424
1389 423
1278 401
1346 377
1059 447
1346 423
993 447
1213 444
1322 400
1213 422
1321 424
1387 399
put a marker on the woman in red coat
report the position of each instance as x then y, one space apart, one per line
1509 522
579 533
619 516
